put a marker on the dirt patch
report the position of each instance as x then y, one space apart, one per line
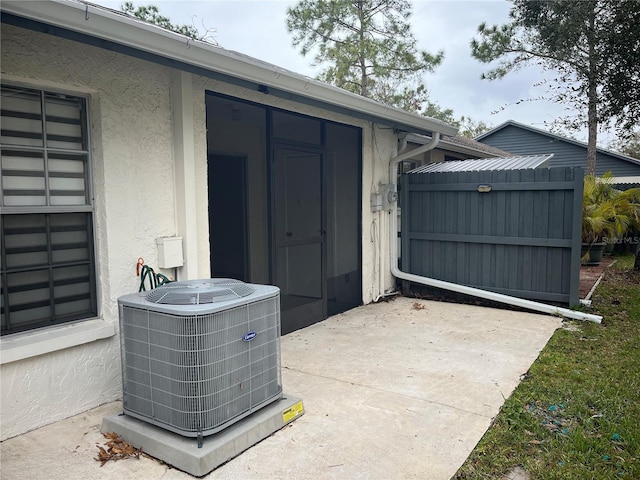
589 275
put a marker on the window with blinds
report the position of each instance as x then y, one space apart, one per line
47 271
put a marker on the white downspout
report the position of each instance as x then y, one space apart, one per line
454 287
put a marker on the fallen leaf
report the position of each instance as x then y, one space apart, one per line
117 449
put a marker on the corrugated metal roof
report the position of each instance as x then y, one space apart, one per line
625 180
508 163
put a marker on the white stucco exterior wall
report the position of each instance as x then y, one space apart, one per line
136 193
133 177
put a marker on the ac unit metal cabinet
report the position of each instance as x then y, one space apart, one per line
197 356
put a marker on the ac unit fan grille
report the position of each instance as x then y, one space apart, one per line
200 292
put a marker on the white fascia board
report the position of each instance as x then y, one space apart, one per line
119 28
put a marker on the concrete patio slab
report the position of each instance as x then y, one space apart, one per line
186 454
403 389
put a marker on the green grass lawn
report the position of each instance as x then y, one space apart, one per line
576 414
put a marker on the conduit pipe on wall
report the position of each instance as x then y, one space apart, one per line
392 292
454 287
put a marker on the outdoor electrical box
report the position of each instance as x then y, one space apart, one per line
170 252
389 196
384 198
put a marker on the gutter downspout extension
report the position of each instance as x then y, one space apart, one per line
432 282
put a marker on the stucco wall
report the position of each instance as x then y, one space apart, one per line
379 145
131 139
135 203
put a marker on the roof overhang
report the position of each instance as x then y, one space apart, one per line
445 144
112 30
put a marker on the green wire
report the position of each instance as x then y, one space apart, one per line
161 279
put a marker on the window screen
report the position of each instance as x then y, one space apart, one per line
47 272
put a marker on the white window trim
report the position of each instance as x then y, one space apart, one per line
31 343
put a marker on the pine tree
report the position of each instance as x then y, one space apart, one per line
589 48
366 46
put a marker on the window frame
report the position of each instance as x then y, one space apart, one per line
88 208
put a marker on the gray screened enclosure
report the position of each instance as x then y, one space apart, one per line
515 232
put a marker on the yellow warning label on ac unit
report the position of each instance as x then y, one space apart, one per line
292 412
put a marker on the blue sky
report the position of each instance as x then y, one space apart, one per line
257 28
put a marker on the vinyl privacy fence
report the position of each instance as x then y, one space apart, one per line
515 232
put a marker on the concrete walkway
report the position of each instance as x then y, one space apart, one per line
397 390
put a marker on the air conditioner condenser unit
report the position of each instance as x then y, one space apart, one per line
197 356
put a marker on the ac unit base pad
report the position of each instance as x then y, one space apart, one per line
183 452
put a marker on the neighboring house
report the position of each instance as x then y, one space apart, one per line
525 140
117 133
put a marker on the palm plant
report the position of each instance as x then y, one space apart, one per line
597 209
607 212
